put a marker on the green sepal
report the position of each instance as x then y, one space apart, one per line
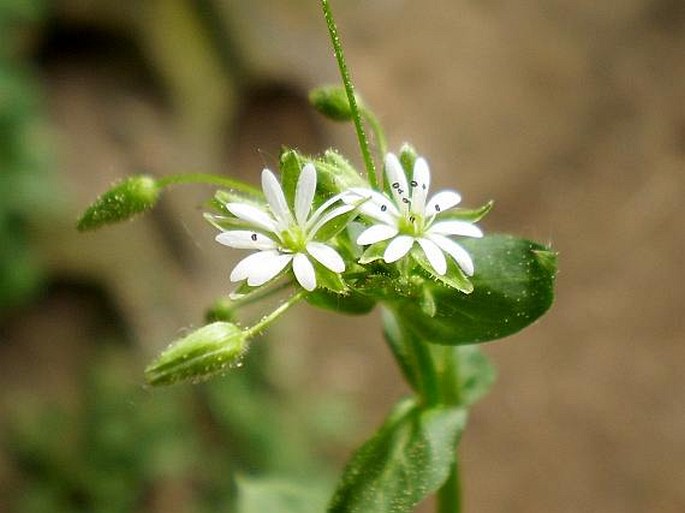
407 459
336 174
513 286
408 158
124 200
466 214
336 225
454 277
374 252
222 309
328 279
203 353
290 164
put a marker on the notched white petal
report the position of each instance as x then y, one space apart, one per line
245 239
434 255
397 248
397 181
456 228
326 256
419 186
376 233
459 254
247 265
304 194
274 195
444 200
252 215
304 272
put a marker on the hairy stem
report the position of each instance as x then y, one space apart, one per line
267 320
205 178
349 90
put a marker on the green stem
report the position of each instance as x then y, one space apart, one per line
259 294
449 496
205 178
267 320
349 90
377 129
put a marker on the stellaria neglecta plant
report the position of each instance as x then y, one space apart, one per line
350 241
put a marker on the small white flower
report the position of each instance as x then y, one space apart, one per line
410 217
282 237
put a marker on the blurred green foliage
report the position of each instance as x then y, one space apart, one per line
24 152
121 448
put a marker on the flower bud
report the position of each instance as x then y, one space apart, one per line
331 101
123 201
199 355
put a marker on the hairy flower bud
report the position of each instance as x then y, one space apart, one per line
123 201
199 355
332 102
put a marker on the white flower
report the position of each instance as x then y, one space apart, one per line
282 237
409 217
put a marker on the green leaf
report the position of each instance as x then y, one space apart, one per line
277 495
476 374
129 197
406 460
513 286
350 303
201 354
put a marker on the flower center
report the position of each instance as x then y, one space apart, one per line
412 224
294 239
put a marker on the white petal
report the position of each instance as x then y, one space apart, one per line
397 181
378 206
434 255
419 186
338 211
253 215
456 228
323 208
327 256
442 201
459 254
376 233
244 239
304 194
274 195
397 248
258 265
304 272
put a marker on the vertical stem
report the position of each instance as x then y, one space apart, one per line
349 90
449 496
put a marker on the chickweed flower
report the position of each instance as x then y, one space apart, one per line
282 237
409 217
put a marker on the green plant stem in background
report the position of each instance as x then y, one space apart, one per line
208 179
449 495
349 90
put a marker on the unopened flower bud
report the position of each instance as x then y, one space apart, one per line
199 355
332 102
123 201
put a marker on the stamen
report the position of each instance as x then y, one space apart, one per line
254 237
414 183
396 185
437 208
384 208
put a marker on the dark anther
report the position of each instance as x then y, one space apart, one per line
405 200
384 208
414 183
412 219
254 237
437 208
396 185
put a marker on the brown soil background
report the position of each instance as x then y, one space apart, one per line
570 114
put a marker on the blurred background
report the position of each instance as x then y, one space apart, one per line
569 113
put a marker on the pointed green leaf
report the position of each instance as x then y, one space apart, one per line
513 286
406 460
466 214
